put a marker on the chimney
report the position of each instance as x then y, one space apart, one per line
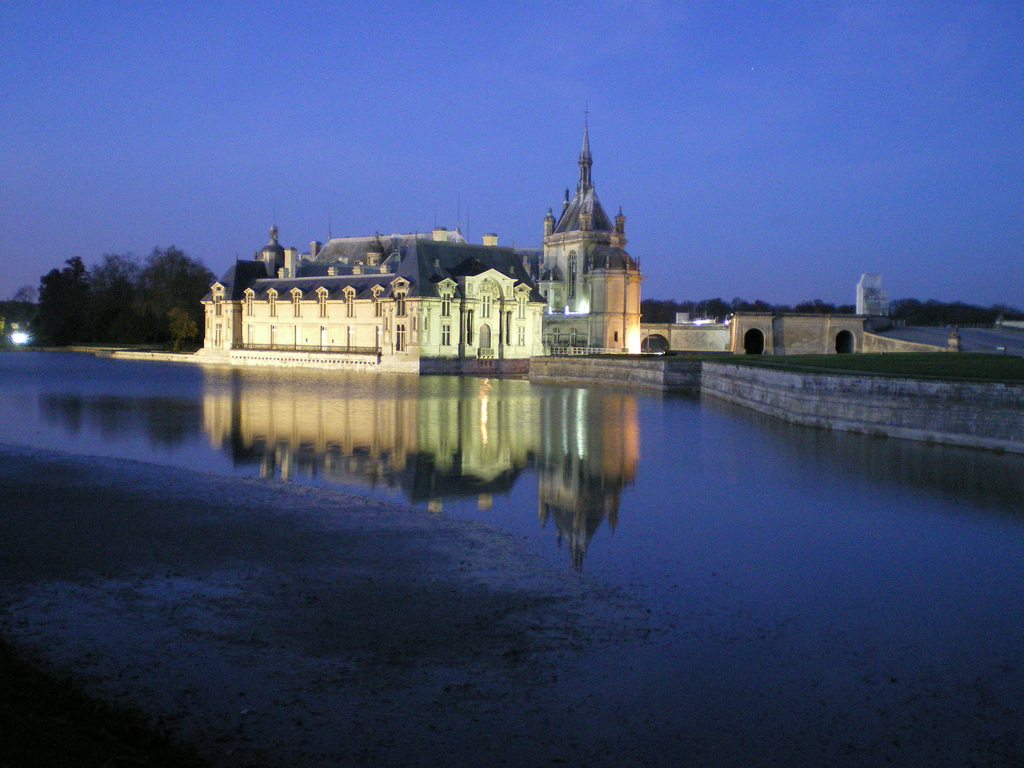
441 234
490 239
314 249
289 261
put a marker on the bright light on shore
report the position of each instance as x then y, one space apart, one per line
20 337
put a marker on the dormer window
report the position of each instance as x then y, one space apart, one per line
249 294
321 300
272 299
446 305
400 304
296 305
350 304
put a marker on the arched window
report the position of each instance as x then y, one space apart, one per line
296 305
571 288
321 298
272 299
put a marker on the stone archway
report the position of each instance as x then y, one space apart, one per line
845 343
654 343
753 342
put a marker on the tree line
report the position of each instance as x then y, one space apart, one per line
121 300
906 311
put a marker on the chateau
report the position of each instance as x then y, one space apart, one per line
433 303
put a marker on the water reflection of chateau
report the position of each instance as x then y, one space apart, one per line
435 438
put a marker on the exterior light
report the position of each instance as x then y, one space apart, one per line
20 337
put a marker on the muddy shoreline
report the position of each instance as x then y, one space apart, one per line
261 623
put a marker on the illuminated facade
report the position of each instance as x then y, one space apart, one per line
425 304
590 284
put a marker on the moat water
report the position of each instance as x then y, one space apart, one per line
863 584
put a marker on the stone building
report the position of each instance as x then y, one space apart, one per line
590 284
427 304
872 298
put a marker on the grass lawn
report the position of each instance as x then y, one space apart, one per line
953 366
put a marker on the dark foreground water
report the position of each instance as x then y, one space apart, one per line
827 588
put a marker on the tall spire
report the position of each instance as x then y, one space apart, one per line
586 161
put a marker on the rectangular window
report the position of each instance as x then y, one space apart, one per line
218 306
446 305
522 336
521 308
378 307
485 308
248 305
400 304
296 307
446 335
273 305
469 327
400 337
322 299
350 306
508 329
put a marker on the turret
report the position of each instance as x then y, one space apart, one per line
549 223
619 233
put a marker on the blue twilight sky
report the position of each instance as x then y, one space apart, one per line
772 150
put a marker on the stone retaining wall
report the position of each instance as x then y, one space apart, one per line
677 374
875 343
978 415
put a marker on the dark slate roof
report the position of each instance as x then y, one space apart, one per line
335 285
349 249
585 201
436 261
610 257
239 277
423 263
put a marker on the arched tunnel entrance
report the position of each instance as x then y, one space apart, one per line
844 342
753 342
654 343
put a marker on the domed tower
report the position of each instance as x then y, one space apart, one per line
272 254
592 284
